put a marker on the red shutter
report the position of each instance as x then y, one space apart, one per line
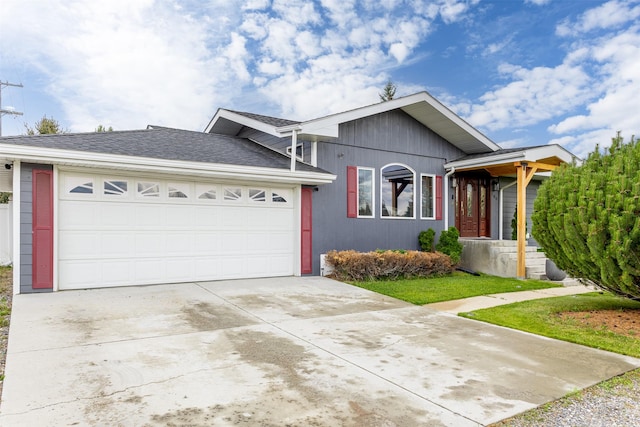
42 258
352 192
438 197
306 225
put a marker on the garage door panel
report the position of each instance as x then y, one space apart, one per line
117 244
117 272
280 265
116 215
208 269
127 239
149 216
206 217
149 244
233 267
208 243
149 271
180 216
179 243
77 215
80 244
232 217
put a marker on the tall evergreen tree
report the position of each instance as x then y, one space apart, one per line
587 218
388 92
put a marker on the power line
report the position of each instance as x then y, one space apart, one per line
4 111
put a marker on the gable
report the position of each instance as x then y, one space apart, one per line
397 132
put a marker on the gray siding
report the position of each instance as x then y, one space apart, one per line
509 205
374 142
26 226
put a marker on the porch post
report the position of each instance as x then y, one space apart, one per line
521 205
525 172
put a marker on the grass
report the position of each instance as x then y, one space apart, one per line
5 284
542 317
455 286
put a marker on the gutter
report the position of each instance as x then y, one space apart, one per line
174 167
446 197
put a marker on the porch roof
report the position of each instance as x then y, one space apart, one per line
504 162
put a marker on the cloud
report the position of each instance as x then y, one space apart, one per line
606 16
126 64
538 2
533 95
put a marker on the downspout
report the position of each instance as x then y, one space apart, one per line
501 203
294 143
446 197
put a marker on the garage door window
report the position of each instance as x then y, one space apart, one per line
256 195
178 190
149 189
86 188
115 188
233 194
277 198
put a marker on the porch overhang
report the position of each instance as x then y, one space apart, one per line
522 164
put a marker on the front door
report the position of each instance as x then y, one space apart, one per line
472 207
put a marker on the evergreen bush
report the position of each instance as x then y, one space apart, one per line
426 239
449 244
587 218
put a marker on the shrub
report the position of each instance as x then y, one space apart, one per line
588 218
449 244
426 238
359 266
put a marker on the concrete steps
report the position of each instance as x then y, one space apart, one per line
500 258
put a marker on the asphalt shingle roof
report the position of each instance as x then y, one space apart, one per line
273 121
168 144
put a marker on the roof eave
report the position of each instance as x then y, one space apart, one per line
175 167
243 120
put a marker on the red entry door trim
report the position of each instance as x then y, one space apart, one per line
306 238
42 270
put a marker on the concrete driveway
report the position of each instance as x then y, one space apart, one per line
274 352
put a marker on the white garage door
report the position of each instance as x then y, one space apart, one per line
118 230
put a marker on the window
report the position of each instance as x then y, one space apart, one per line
115 188
149 189
232 193
396 191
257 195
428 199
178 190
299 152
84 188
277 198
365 193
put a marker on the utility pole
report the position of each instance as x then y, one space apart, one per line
2 110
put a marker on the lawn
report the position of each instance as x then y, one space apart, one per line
557 318
455 286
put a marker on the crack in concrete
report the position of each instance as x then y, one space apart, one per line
114 393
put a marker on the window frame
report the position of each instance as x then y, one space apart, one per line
413 196
433 195
373 191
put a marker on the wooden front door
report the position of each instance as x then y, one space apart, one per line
472 207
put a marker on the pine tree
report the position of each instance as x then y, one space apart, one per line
587 218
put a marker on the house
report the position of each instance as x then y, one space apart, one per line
252 195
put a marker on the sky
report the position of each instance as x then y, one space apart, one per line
523 72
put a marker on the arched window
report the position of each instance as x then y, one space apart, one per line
397 194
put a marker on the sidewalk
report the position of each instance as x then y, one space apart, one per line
488 301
